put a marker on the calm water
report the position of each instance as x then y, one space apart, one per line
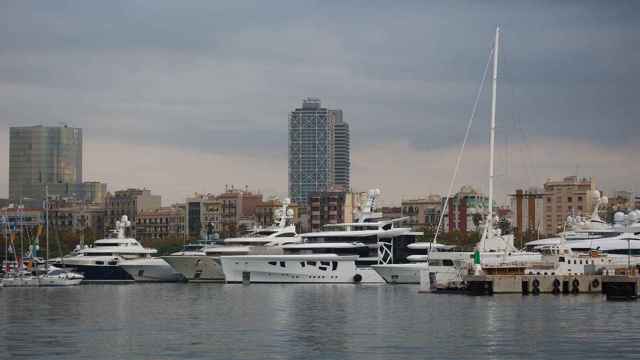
171 321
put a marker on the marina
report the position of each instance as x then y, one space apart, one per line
319 180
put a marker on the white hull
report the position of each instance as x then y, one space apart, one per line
196 268
289 269
151 270
38 281
401 273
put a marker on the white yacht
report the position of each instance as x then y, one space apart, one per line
595 234
119 259
343 253
203 264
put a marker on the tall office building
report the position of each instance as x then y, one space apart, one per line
42 156
342 152
318 150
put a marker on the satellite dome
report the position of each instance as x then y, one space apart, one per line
595 194
619 217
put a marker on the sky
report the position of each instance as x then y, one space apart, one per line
182 97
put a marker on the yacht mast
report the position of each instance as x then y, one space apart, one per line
489 230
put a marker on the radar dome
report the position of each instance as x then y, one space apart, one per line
618 217
604 200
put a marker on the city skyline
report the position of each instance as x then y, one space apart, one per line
157 104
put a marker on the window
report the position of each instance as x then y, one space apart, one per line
324 263
311 263
286 235
302 263
273 263
334 265
283 264
447 262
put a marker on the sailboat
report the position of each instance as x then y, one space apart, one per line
52 276
443 268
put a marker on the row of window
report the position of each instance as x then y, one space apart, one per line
321 265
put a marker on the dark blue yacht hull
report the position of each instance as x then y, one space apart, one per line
101 272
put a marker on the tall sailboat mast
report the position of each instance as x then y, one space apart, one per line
489 229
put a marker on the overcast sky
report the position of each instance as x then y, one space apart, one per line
190 96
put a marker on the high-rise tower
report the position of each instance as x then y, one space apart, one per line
42 157
319 155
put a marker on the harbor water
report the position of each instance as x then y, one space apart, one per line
218 321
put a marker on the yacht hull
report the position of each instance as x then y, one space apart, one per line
400 273
39 281
196 268
290 270
151 270
113 273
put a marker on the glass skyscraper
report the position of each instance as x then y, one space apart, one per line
319 156
42 156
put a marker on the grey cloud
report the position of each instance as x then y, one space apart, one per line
222 77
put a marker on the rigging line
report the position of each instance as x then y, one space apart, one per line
464 142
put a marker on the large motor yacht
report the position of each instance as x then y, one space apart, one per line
119 259
203 264
342 253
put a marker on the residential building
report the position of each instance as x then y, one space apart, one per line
238 210
44 157
161 223
129 202
86 220
332 207
466 210
423 213
94 192
528 213
319 151
203 216
570 196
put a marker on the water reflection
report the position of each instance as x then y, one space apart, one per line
206 321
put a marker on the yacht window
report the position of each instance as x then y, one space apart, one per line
286 235
324 263
112 263
334 265
580 262
99 262
323 268
302 263
311 263
561 259
272 263
283 264
447 262
386 227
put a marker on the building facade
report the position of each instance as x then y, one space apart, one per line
332 207
319 150
238 210
423 213
203 216
41 157
570 196
161 223
85 220
128 202
466 210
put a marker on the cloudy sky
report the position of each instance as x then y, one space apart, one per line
190 96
